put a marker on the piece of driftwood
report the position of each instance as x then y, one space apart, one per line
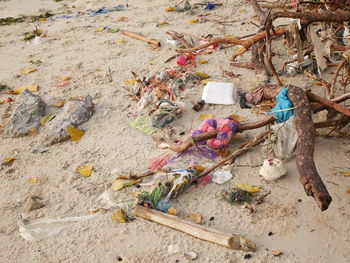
316 107
152 42
333 123
309 177
223 239
328 103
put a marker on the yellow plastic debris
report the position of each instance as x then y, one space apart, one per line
169 9
192 21
31 88
85 170
119 216
121 183
247 187
32 180
75 134
202 75
25 71
129 82
59 104
195 218
203 117
99 29
172 211
9 160
66 78
122 18
237 118
347 173
203 62
163 23
33 132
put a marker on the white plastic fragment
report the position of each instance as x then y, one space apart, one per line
173 249
38 229
272 169
221 176
220 93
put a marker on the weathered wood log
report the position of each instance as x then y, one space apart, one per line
309 177
328 103
332 123
223 239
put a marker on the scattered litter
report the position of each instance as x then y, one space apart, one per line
195 218
59 104
42 228
225 127
9 160
173 249
122 183
247 187
33 203
119 216
47 119
198 106
203 117
272 169
220 93
209 6
74 133
221 176
33 180
276 253
141 124
190 255
31 88
286 136
280 111
192 21
84 170
172 211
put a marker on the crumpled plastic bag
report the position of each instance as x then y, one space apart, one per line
42 228
287 137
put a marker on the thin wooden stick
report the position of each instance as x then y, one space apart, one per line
223 239
142 38
328 103
242 149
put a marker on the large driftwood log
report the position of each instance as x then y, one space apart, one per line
198 231
309 177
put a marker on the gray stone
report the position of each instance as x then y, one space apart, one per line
74 113
27 115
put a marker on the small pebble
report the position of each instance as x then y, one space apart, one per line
119 259
211 219
299 200
246 256
270 234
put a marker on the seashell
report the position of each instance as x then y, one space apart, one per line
190 255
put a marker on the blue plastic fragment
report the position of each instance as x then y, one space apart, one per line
209 6
283 103
163 206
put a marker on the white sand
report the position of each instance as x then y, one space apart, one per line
73 48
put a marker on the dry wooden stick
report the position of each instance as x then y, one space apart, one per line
328 103
246 43
309 177
242 149
333 123
324 83
223 239
153 42
316 107
167 144
336 73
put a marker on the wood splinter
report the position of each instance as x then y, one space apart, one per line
223 239
152 42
